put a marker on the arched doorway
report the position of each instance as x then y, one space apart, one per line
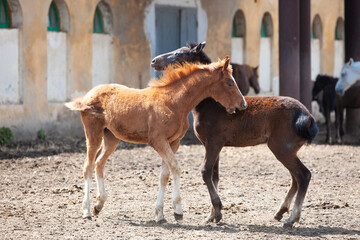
339 47
238 38
102 48
10 74
316 39
266 55
58 25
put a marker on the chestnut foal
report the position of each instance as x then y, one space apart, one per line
156 115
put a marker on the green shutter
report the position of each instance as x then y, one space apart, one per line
263 32
234 28
4 14
53 18
98 23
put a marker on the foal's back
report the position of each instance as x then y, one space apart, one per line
265 117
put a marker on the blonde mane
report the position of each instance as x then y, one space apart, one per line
176 72
173 73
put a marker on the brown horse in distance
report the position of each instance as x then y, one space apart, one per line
156 115
282 122
246 77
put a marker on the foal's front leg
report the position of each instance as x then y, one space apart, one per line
169 162
211 179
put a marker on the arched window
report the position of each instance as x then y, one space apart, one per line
4 14
238 24
103 21
53 21
316 28
266 26
339 30
98 22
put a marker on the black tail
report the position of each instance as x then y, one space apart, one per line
305 126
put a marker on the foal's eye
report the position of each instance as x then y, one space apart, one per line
230 83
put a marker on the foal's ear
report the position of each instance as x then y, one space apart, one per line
198 47
256 68
227 62
350 62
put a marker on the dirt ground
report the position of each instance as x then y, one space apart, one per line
41 194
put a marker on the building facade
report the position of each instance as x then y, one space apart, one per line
54 50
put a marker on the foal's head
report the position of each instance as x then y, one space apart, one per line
225 90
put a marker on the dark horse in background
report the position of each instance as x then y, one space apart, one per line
324 93
282 122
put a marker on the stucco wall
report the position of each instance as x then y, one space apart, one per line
329 11
129 57
130 53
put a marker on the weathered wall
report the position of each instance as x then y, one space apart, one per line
131 51
329 11
130 57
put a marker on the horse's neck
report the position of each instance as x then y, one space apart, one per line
192 91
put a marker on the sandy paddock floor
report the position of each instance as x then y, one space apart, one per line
41 195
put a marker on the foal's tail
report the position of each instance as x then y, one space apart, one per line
305 126
77 105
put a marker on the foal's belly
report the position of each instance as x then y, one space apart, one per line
129 134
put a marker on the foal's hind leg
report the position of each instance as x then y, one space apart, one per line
107 148
94 133
285 206
210 161
163 181
301 177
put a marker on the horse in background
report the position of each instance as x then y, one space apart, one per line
350 74
282 122
324 93
349 85
245 75
156 115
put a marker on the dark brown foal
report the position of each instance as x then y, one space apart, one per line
282 122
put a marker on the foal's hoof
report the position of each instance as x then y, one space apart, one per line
288 225
87 217
178 217
218 218
96 211
87 214
161 221
278 217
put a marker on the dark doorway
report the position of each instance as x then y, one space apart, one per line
174 27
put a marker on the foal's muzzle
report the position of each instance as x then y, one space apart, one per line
231 110
243 105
